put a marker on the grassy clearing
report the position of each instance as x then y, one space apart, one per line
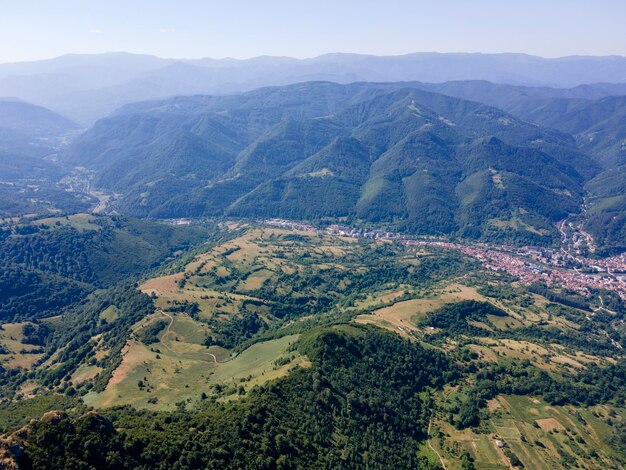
549 357
403 316
110 314
179 368
381 298
85 372
84 222
17 354
255 365
162 286
256 280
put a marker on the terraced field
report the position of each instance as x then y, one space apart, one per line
540 435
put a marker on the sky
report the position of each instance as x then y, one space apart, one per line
37 29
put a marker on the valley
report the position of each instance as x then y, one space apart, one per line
329 271
565 267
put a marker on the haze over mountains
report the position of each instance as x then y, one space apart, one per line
88 87
383 153
30 139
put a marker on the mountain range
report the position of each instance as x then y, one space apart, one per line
131 340
88 87
476 158
390 154
30 139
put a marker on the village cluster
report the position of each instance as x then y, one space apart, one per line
563 267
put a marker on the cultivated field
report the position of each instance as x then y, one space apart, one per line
540 435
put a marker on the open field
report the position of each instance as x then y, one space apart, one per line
179 368
16 354
233 279
110 314
78 221
402 316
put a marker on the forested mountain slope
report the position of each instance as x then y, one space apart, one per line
48 264
418 160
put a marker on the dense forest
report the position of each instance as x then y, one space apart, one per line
50 264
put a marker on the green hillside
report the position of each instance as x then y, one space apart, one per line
280 348
391 154
51 263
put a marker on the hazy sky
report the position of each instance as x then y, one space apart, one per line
33 29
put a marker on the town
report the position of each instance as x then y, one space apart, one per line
564 267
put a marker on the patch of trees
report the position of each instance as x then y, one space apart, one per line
44 270
183 306
150 334
587 388
570 300
455 318
459 319
26 294
499 291
71 338
232 332
35 334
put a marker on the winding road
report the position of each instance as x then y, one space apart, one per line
167 331
430 422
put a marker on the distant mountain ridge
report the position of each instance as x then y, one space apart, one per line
88 87
32 120
259 152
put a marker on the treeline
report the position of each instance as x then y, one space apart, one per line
230 333
69 340
570 300
150 334
457 318
26 294
471 319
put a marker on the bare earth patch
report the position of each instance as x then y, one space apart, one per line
549 424
162 285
